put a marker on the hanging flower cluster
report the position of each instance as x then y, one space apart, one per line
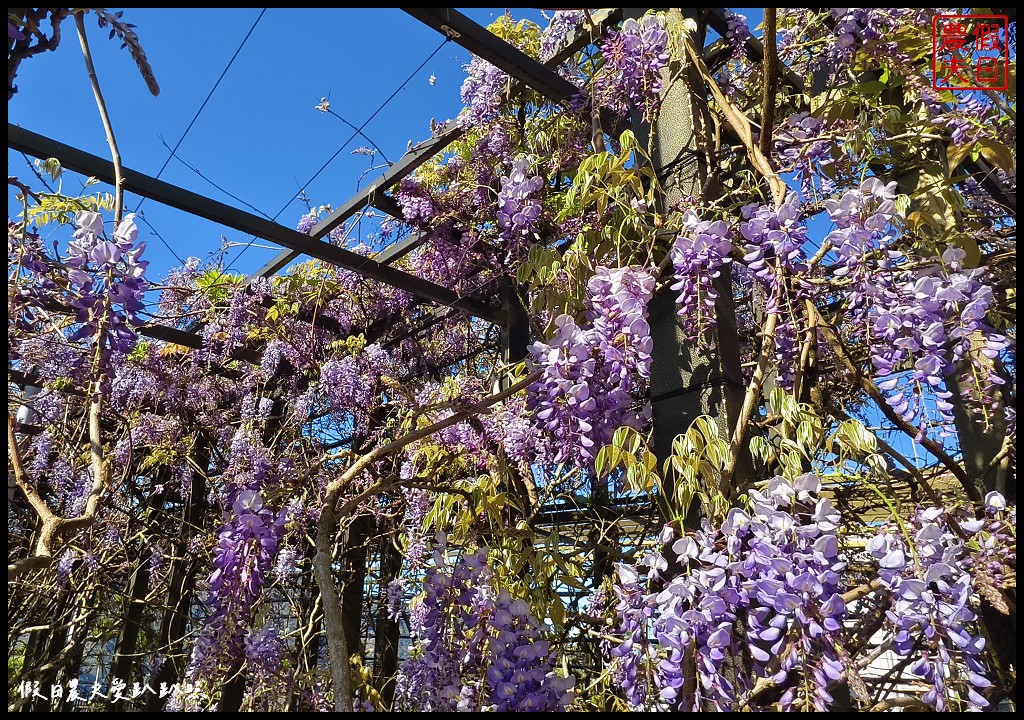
477 648
698 255
518 208
590 374
246 547
919 321
930 576
104 283
764 585
634 57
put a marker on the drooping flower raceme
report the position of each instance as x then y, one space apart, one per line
563 22
698 255
590 375
518 208
919 322
931 581
636 656
268 677
415 201
805 144
737 32
764 585
481 91
931 322
775 253
633 59
246 546
477 648
118 273
104 285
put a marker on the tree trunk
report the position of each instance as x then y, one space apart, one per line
687 382
181 580
385 639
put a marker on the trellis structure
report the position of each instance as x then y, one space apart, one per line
496 305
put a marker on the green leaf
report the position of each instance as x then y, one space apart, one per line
902 204
998 154
806 436
760 448
956 154
50 166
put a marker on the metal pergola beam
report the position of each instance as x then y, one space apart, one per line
419 154
192 340
79 161
400 249
482 42
752 47
374 194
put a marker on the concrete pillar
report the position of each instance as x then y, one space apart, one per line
687 381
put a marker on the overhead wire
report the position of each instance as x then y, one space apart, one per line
192 122
358 131
209 95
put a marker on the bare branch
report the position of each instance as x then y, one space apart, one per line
739 123
115 154
750 401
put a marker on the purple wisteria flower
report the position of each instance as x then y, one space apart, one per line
764 585
590 376
775 254
481 91
929 578
415 201
918 322
246 546
563 22
633 59
107 280
477 647
699 253
518 208
737 32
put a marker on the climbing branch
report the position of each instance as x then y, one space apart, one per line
330 515
115 154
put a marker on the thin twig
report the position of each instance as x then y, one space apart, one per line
750 401
739 122
115 154
25 189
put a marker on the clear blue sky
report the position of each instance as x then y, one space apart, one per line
260 137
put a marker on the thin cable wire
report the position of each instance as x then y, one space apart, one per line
358 130
195 117
231 195
353 136
34 169
207 100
